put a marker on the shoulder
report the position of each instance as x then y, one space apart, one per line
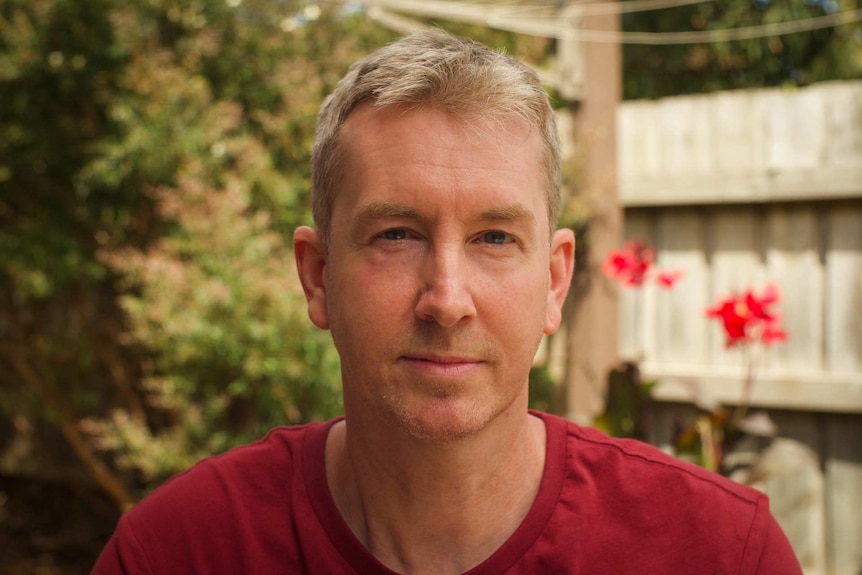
249 468
213 513
635 467
672 516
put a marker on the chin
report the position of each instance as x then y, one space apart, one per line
442 424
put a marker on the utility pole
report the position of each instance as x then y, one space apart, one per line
588 76
593 322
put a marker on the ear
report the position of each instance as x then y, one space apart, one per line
310 265
561 267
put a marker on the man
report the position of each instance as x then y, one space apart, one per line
436 265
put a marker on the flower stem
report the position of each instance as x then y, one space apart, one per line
747 385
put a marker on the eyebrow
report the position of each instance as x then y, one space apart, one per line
379 210
382 210
507 213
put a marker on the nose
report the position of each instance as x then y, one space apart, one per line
446 296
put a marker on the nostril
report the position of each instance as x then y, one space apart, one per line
445 305
446 296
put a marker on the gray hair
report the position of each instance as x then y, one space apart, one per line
454 75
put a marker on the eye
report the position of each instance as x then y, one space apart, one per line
496 237
395 234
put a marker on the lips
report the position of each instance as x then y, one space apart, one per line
442 365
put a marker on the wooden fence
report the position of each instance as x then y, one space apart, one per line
738 190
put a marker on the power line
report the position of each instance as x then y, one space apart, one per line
593 8
552 27
726 34
635 6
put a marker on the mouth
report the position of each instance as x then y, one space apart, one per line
442 365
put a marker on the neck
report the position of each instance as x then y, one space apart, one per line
424 507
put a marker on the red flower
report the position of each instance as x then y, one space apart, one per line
735 317
630 265
748 317
758 305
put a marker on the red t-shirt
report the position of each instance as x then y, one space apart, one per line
605 506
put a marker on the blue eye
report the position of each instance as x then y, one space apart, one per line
496 237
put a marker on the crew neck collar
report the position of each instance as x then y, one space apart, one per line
358 556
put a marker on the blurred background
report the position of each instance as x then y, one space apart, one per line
154 160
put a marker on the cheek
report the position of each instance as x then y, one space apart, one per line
384 290
368 301
515 306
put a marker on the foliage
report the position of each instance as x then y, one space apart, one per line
153 160
794 59
628 404
224 323
543 389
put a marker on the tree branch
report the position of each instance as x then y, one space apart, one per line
97 469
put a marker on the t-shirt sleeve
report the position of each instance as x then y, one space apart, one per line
122 555
777 556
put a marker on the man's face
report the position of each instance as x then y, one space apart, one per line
439 278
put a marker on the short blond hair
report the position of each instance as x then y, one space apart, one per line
455 75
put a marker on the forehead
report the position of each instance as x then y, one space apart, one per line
418 151
425 121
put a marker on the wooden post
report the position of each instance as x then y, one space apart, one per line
593 318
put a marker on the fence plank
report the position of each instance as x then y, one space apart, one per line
798 499
793 263
843 117
684 125
843 337
797 144
737 265
633 322
679 314
739 149
844 499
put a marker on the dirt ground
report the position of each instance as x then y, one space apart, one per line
51 528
